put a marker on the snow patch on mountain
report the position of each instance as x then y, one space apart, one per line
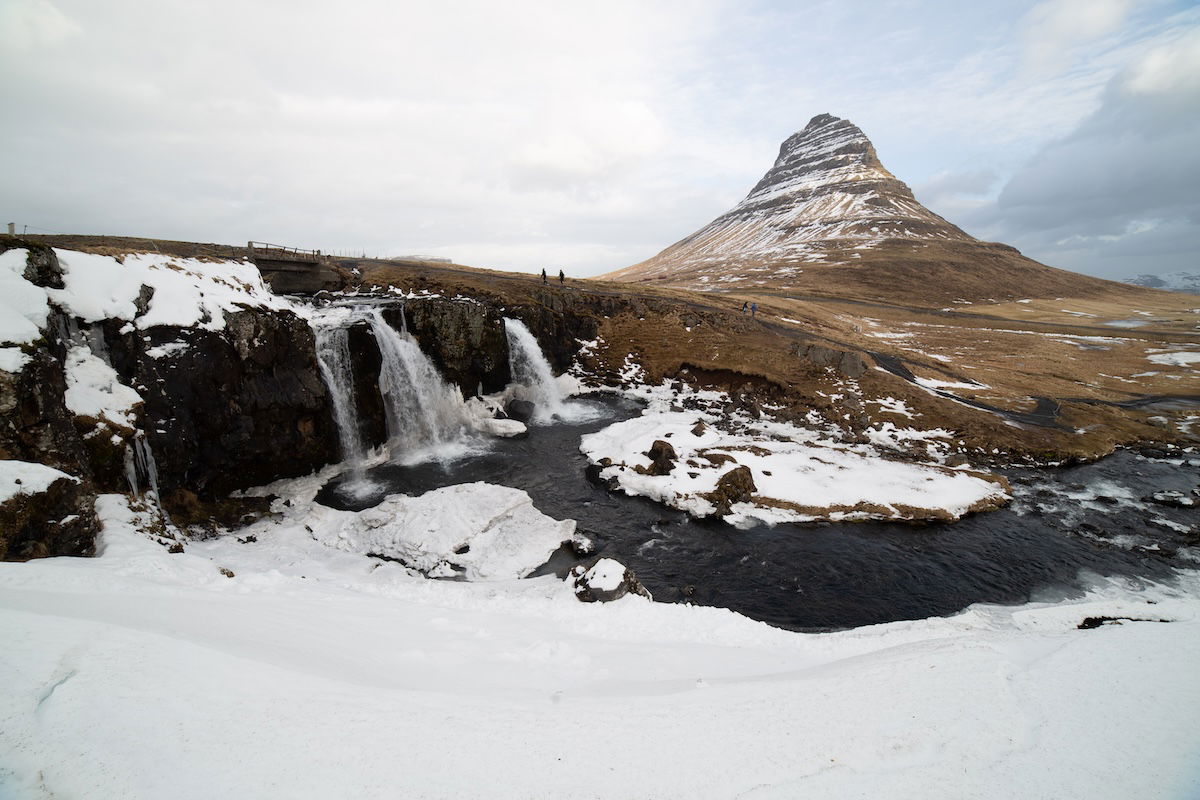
827 190
1184 281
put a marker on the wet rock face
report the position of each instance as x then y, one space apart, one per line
560 320
365 363
465 340
520 410
239 407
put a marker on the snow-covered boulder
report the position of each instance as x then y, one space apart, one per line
477 531
43 511
606 580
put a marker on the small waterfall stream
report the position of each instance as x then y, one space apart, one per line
531 372
333 358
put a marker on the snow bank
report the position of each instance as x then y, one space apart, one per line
320 673
27 477
1174 359
23 307
95 390
12 359
479 531
186 292
800 476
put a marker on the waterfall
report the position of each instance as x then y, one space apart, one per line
423 410
531 371
333 358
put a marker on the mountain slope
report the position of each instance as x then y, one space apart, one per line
828 217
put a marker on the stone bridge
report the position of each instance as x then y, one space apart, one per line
291 270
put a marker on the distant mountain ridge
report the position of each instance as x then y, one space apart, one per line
1181 281
829 217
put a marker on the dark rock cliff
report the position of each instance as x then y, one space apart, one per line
221 410
234 408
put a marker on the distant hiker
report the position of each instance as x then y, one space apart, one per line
561 278
753 309
744 306
544 281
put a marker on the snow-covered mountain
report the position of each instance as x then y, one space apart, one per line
828 202
1181 281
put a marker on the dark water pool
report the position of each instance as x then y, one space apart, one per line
1083 519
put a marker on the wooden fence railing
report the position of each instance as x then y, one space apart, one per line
281 252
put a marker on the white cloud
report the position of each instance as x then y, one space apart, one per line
26 25
1171 69
588 134
1117 196
1054 28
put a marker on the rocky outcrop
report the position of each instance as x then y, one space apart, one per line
662 458
852 365
220 409
464 339
735 486
234 408
57 521
605 581
520 410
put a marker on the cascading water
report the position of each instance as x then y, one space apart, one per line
531 372
424 412
333 358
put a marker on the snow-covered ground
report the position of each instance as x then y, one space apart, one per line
800 474
266 664
287 660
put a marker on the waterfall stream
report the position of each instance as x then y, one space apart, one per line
424 413
333 358
531 372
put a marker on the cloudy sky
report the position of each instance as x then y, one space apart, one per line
590 135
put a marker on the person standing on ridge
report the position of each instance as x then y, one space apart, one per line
544 281
562 279
744 306
754 309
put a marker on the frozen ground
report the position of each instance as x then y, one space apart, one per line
801 474
313 672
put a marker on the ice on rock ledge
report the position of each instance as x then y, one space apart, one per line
478 531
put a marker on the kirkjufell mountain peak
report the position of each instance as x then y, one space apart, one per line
828 217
